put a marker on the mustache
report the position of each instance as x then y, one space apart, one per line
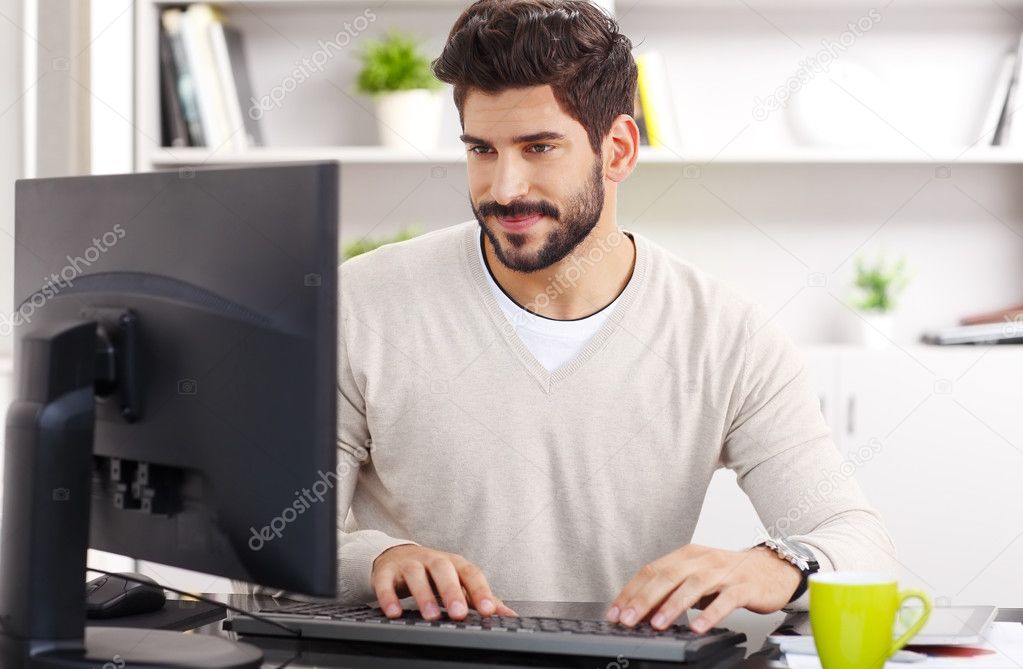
519 209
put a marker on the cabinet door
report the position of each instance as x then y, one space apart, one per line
936 439
823 363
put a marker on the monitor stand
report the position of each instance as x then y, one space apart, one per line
46 502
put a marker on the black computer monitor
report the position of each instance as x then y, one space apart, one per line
175 393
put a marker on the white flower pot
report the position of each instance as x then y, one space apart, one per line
878 329
409 120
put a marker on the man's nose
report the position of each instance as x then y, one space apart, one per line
510 182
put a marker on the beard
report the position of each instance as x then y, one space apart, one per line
571 227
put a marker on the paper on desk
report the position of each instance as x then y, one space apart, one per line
1004 638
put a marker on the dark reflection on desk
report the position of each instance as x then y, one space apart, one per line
308 654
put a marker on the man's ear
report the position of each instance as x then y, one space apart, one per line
621 148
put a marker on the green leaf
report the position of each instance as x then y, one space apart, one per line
879 283
394 64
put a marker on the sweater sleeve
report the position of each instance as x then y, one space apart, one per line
786 462
357 549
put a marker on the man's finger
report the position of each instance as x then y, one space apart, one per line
684 597
630 590
387 597
448 584
420 587
655 591
671 608
504 610
483 600
727 601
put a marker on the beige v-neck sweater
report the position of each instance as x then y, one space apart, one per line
561 485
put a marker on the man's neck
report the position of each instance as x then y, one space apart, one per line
579 285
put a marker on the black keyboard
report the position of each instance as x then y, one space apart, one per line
560 636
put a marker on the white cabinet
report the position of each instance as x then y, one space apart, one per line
946 463
937 440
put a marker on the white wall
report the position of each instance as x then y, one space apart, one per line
11 87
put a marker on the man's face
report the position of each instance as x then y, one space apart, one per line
537 189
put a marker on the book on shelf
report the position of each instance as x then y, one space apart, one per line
1007 99
656 103
173 127
637 115
206 59
239 67
170 22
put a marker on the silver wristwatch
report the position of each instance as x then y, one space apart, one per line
799 555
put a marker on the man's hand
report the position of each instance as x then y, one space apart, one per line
423 573
717 581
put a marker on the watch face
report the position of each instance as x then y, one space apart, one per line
800 550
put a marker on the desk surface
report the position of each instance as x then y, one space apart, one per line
308 654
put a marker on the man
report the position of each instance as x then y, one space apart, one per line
532 404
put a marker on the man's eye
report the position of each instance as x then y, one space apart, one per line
479 150
545 148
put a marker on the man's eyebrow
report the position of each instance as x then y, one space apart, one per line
521 139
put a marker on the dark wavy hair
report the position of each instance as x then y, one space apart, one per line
572 45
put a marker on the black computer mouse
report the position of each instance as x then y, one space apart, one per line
113 597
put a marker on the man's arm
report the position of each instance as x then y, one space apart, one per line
359 549
373 565
787 463
781 450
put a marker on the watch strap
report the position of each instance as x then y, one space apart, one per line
812 566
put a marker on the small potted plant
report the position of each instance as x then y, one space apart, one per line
879 284
407 95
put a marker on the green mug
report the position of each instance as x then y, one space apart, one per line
852 615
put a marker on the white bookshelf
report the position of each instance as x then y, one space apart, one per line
765 209
278 32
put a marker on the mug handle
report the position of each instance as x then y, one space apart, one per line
918 625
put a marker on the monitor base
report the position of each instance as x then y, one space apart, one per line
128 648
